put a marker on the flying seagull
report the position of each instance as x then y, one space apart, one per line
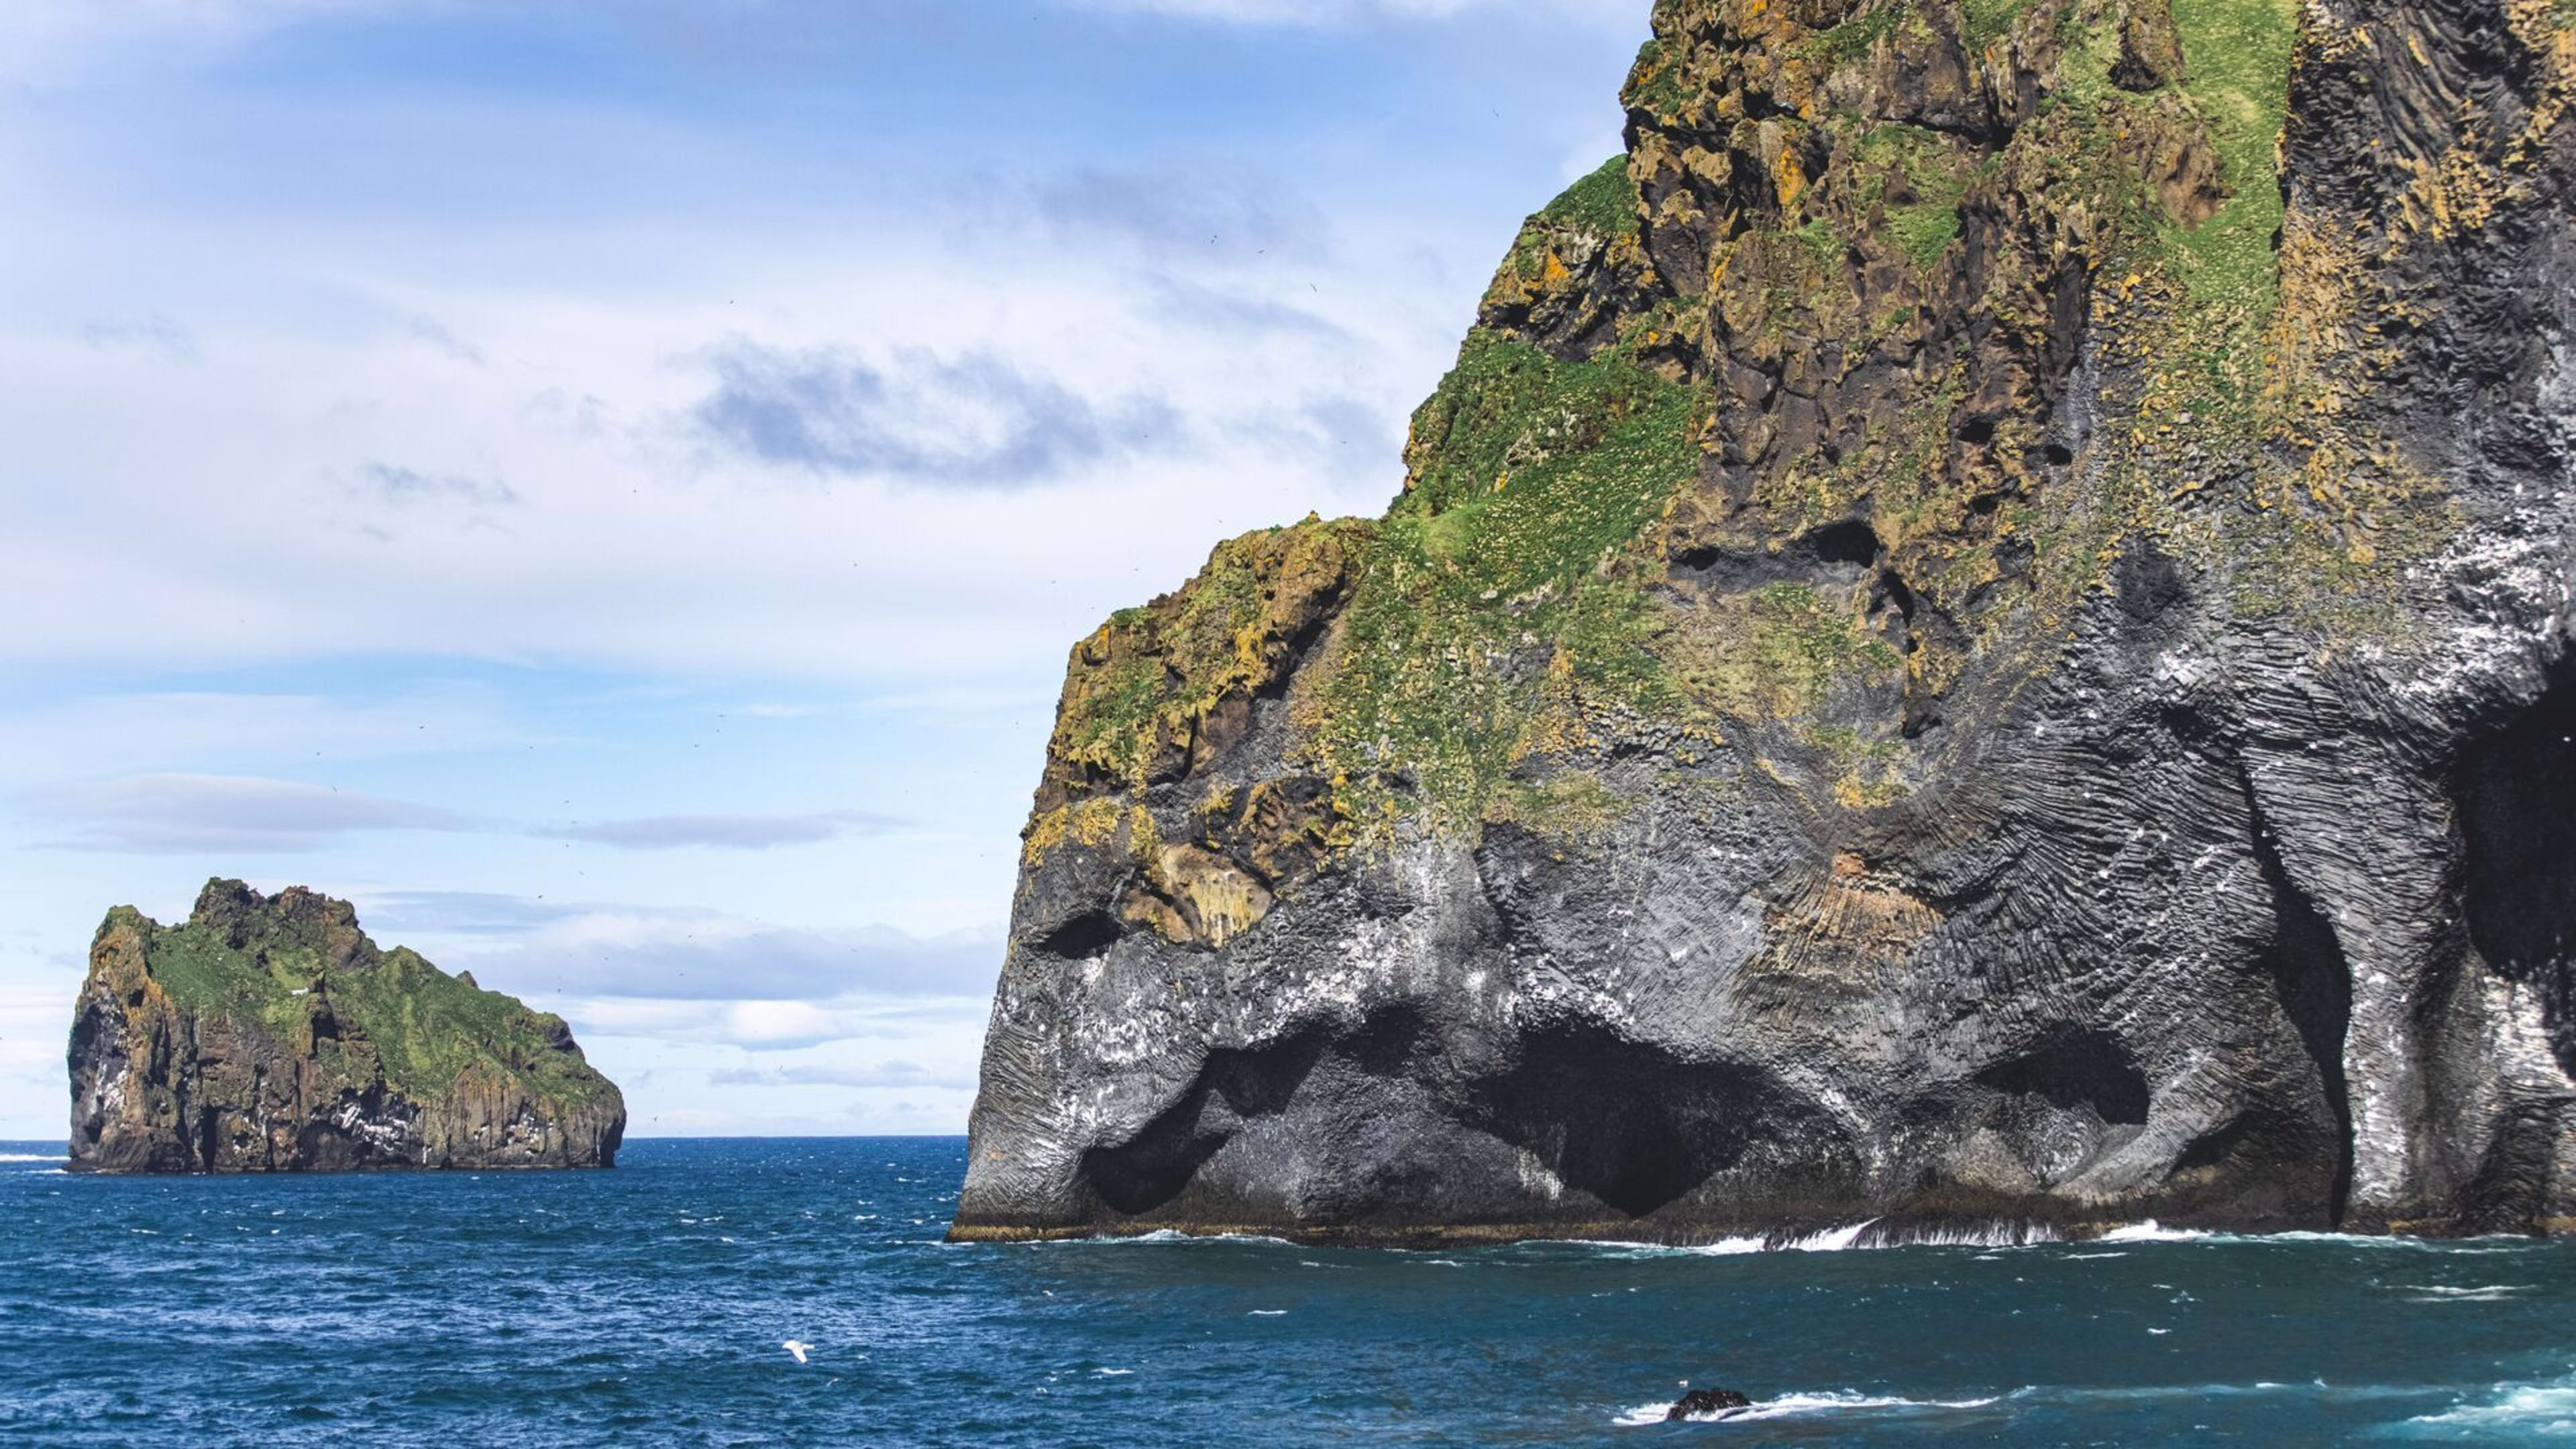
796 1348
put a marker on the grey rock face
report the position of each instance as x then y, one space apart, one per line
2231 887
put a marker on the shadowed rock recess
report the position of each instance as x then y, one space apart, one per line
270 1035
1979 640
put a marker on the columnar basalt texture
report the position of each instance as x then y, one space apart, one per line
1980 635
270 1035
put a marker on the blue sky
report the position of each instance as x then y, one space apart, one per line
608 485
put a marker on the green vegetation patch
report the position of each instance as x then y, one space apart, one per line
1571 805
1496 609
1602 205
425 1026
1923 211
1655 81
1853 39
1142 680
1601 202
2236 60
1983 22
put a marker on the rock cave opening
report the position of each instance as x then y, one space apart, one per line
1630 1123
2077 1071
2515 791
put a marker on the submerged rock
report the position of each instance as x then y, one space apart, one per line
1706 1403
1979 635
270 1035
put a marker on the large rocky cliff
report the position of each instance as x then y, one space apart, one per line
1979 636
270 1035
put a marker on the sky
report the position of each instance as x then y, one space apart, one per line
608 486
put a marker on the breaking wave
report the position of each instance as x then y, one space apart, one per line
2518 1411
1837 1401
1866 1235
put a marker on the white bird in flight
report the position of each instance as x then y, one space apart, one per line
796 1348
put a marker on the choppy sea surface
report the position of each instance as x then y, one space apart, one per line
652 1304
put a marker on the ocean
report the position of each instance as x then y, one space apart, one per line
651 1305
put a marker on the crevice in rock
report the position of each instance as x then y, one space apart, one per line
2313 982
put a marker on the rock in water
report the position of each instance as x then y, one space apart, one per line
270 1035
1705 1403
1979 634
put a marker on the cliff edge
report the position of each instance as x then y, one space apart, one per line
270 1035
1978 640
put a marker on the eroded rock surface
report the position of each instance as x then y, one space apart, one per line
1980 635
270 1035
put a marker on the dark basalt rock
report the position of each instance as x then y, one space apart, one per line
270 1035
1707 1403
1981 635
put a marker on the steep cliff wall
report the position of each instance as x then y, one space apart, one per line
270 1035
1979 634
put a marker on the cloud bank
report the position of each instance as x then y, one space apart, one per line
178 814
973 420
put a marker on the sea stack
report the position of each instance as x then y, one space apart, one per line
270 1035
1979 641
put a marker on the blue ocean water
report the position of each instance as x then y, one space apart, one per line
649 1305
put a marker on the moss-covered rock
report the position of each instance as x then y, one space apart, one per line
269 1034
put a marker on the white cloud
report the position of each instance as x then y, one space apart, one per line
769 1026
972 420
159 730
625 541
873 1074
1349 12
757 969
188 814
725 832
167 814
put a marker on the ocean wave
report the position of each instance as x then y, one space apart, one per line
1863 1236
1833 1401
1159 1238
1167 1235
2152 1231
2521 1410
30 1157
2492 1293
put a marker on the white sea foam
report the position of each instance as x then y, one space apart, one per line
1115 1373
2152 1231
1164 1236
2492 1293
2518 1410
1838 1401
30 1157
1857 1236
